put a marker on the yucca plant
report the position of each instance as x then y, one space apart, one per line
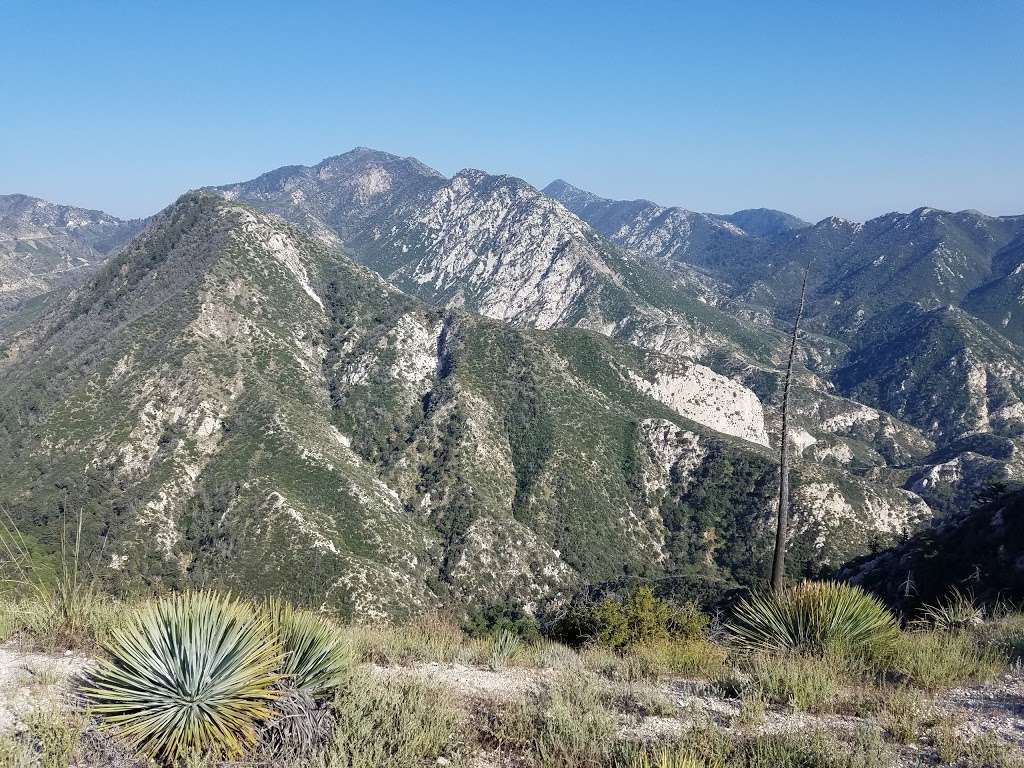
956 611
314 656
505 646
192 674
814 616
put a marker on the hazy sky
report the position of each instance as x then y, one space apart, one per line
817 108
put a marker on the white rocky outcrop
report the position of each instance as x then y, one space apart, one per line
698 393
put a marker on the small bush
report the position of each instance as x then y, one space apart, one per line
753 707
54 737
399 722
953 746
664 758
576 730
807 683
510 726
1003 635
16 754
902 714
642 618
815 617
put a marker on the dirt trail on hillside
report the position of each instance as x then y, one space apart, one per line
995 708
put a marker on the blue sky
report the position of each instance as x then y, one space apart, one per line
818 108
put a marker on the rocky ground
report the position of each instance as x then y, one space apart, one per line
646 711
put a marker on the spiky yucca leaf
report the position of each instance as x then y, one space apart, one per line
315 658
191 675
814 616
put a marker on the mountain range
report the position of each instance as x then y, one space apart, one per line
377 387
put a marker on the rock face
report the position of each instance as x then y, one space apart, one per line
231 401
496 246
43 245
910 314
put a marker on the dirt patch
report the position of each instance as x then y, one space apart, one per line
30 679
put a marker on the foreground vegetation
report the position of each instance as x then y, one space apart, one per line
203 679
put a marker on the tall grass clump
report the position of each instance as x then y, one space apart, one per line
193 674
816 617
52 607
937 660
314 656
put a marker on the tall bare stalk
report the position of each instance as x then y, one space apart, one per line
782 527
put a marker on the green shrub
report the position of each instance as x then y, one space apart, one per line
815 617
191 675
1003 635
314 656
682 657
54 735
394 722
643 618
664 758
902 713
495 618
954 746
709 747
428 638
16 754
509 726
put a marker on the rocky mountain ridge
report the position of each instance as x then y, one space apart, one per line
44 245
230 401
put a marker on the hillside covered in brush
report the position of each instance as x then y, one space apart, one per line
230 401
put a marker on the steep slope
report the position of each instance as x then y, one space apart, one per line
44 245
930 257
344 197
980 552
883 329
1000 301
941 370
230 402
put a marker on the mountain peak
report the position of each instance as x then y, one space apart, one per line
765 222
572 197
